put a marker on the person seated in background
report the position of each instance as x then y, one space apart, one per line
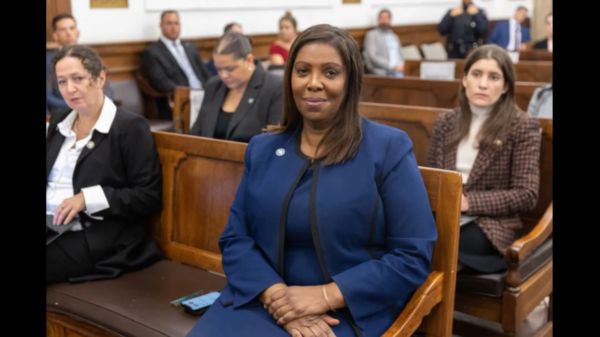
546 44
102 172
234 27
65 34
296 183
541 102
511 35
240 102
496 147
169 62
382 48
278 54
464 27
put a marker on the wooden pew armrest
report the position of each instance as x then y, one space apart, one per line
425 298
521 248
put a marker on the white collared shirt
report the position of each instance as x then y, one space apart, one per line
512 27
60 180
183 61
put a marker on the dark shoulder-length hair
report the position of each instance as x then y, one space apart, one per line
497 126
343 139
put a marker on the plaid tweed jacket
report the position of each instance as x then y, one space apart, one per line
504 180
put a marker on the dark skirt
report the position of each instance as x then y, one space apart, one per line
477 252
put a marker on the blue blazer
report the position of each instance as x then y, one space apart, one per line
372 224
500 35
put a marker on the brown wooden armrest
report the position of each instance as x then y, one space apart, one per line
521 248
425 298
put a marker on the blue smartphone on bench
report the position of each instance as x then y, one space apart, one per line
198 305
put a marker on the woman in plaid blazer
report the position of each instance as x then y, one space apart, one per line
497 148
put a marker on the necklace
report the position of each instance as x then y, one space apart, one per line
77 129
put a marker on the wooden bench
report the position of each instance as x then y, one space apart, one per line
428 93
181 109
200 178
526 71
529 279
535 55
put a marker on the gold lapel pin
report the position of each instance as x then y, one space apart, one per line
498 142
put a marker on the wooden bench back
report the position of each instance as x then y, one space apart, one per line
428 93
535 55
418 122
444 189
181 109
200 179
527 71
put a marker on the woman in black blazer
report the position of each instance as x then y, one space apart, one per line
102 172
243 99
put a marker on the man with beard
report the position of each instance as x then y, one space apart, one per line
382 48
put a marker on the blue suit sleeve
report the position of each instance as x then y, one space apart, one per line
51 100
211 69
495 35
377 284
246 267
526 35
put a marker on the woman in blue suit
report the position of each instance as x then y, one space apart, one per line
331 230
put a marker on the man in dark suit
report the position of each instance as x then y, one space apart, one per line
511 34
169 62
65 34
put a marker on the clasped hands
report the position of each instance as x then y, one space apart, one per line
301 310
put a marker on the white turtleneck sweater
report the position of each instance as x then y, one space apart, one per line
468 147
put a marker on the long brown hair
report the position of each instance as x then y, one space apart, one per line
504 111
343 139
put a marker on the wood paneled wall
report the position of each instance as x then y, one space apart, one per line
542 8
123 58
54 7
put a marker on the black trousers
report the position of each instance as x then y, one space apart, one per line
477 252
68 256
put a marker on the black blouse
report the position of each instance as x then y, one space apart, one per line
222 124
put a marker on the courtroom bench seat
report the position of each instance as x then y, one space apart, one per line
493 285
138 303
